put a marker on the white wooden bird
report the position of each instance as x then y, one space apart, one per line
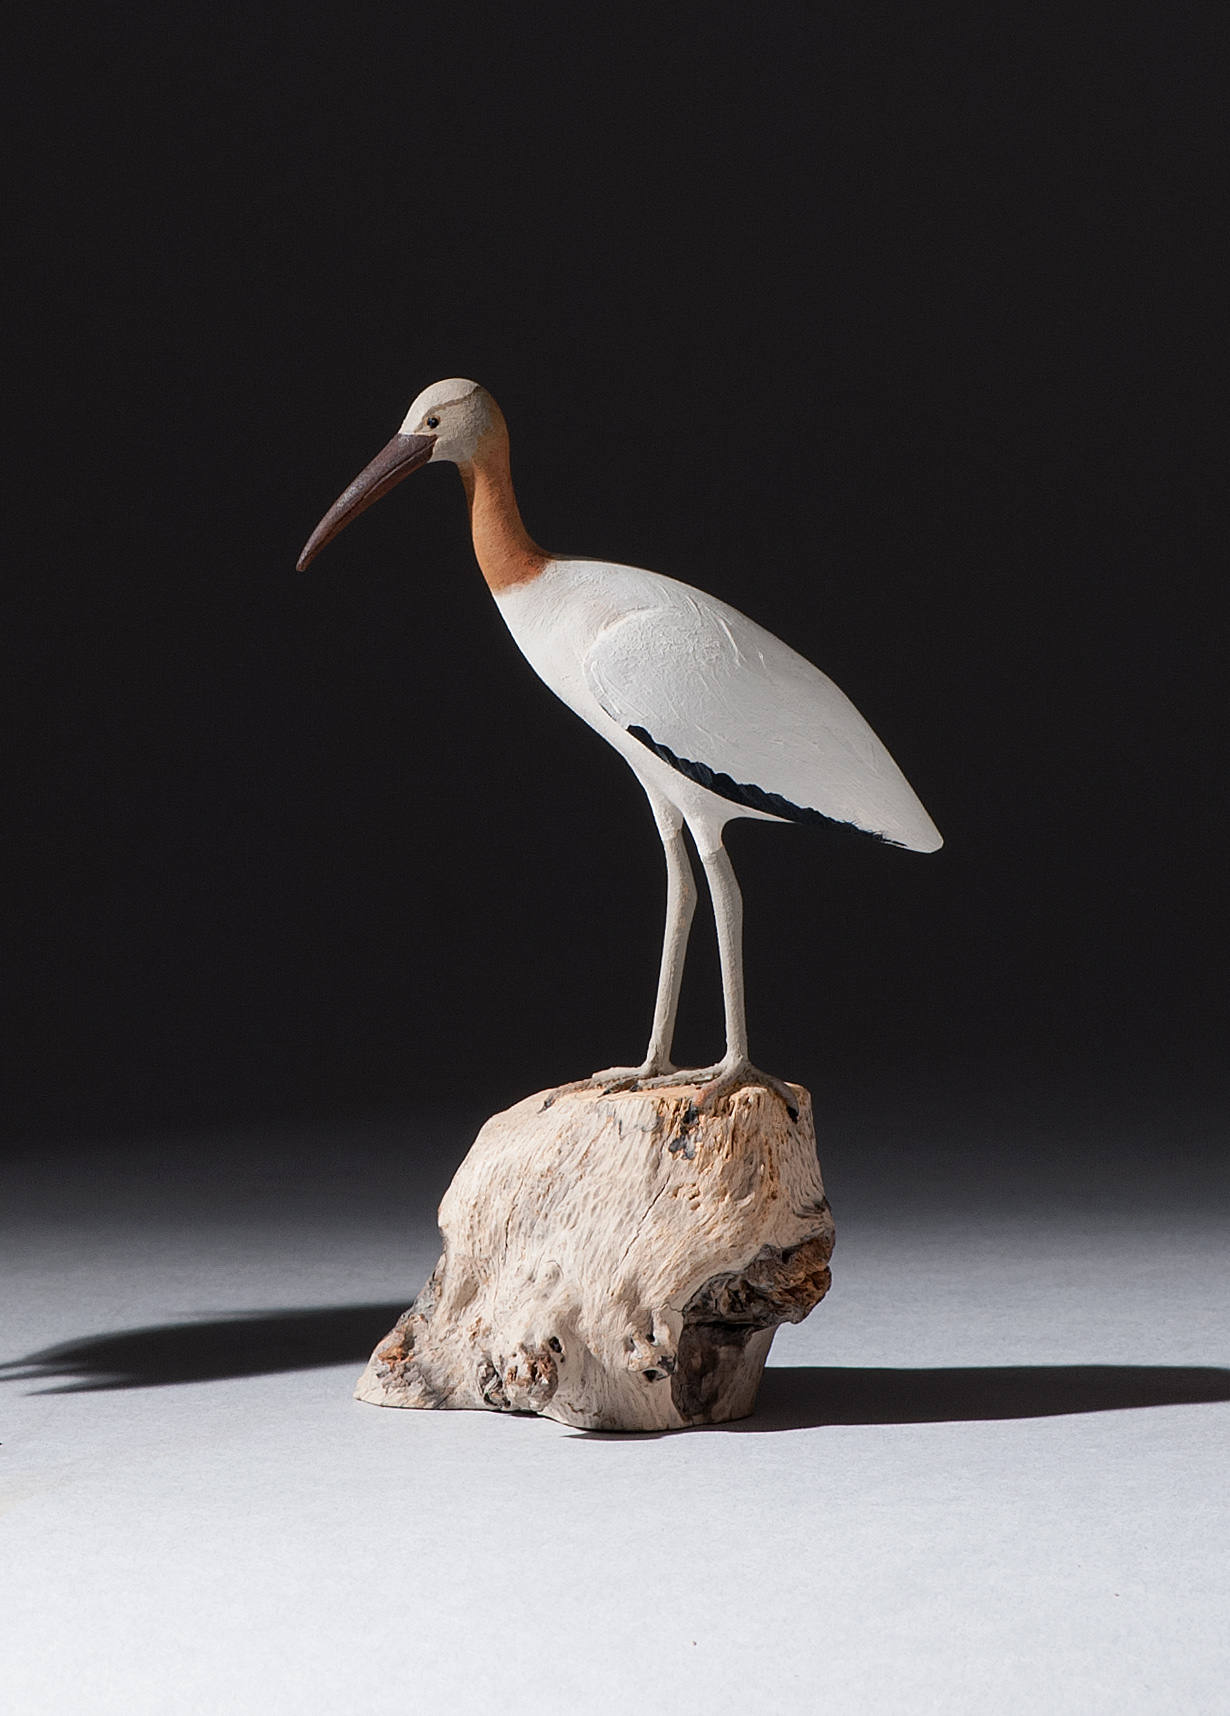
715 716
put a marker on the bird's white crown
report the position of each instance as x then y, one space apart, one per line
457 412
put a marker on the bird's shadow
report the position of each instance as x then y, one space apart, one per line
262 1343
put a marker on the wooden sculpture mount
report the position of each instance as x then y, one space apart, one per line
617 1260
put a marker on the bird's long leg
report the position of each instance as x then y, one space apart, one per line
734 1069
728 917
680 907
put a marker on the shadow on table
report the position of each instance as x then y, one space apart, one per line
791 1398
256 1343
805 1397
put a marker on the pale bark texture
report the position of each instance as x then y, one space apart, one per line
617 1261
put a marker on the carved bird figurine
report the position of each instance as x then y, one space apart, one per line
715 716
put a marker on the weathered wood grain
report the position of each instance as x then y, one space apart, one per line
617 1261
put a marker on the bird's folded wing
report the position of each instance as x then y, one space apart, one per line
728 703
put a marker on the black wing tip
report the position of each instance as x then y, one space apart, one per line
753 797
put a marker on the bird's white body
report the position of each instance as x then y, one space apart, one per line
628 649
716 716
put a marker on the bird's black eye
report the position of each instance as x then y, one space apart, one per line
433 422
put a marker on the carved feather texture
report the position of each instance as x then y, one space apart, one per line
710 685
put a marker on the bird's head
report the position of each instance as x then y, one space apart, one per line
459 415
449 423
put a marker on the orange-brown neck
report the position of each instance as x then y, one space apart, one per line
506 553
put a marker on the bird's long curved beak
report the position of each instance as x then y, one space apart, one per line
404 453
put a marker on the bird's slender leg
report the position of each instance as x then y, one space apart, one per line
728 917
680 906
735 1068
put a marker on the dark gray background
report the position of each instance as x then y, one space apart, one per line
893 326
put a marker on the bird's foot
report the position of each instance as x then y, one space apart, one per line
632 1078
719 1080
684 1075
613 1079
725 1077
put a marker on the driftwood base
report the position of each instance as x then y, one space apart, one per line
617 1262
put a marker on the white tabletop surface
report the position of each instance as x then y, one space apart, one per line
988 1476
